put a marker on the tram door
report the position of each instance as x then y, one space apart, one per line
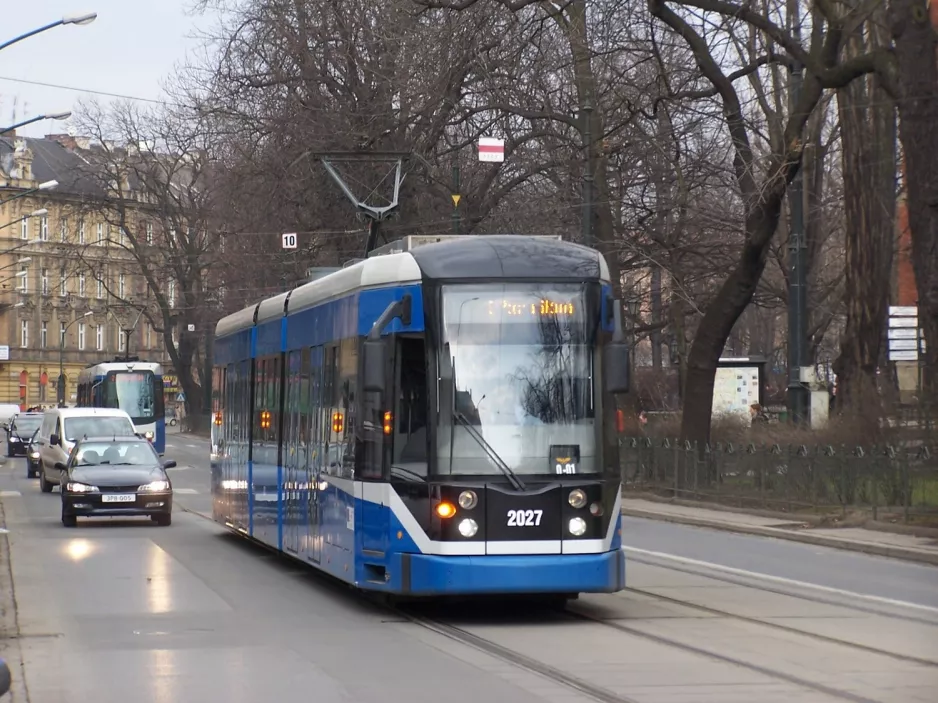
292 454
312 519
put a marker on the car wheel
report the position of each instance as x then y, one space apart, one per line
163 520
44 485
68 520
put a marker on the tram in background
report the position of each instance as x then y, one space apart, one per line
436 419
134 386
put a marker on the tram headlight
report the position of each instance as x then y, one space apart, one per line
577 526
469 527
577 498
468 500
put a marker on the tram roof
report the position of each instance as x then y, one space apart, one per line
512 257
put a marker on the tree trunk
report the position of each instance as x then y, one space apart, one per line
916 51
868 128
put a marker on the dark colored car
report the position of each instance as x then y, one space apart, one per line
20 432
115 477
33 464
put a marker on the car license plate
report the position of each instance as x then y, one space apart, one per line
119 498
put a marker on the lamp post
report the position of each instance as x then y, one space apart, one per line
53 116
45 185
79 20
60 386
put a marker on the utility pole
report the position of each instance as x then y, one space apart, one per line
587 117
797 262
456 196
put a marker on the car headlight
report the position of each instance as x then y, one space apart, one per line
577 498
155 486
73 487
14 439
468 527
34 455
577 527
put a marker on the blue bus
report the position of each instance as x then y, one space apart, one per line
136 387
437 419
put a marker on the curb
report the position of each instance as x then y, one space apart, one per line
881 550
9 620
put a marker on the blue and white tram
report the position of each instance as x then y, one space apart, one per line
136 387
432 421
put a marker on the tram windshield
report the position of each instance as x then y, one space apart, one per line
516 367
137 393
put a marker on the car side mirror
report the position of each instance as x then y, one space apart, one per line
374 365
60 466
55 440
616 367
169 464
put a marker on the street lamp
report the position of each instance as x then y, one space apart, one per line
45 185
60 390
54 116
80 20
35 213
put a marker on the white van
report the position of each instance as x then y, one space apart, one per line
7 412
62 426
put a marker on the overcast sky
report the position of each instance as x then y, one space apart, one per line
129 49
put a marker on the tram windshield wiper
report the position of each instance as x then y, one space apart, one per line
492 454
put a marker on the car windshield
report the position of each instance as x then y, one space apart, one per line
517 362
26 426
97 426
115 454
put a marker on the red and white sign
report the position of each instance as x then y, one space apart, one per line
491 149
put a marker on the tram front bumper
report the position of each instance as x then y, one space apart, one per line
433 575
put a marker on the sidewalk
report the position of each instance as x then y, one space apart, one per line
857 539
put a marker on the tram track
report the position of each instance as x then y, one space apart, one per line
776 674
717 612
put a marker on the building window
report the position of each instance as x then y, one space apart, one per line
149 233
149 335
24 228
100 289
81 335
45 281
63 229
24 280
121 340
24 333
62 334
81 285
100 234
123 237
99 337
44 335
63 282
120 286
44 228
81 231
172 294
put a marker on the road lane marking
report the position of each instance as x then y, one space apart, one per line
186 491
780 580
10 494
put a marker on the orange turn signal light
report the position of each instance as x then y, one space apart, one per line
445 510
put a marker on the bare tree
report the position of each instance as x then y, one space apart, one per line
155 172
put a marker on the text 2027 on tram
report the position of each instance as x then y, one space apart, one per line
433 420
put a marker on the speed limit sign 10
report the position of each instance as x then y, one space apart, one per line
289 240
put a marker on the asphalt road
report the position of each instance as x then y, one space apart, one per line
122 610
127 611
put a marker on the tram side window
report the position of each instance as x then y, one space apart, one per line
348 379
410 421
333 420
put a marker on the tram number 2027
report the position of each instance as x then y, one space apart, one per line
524 518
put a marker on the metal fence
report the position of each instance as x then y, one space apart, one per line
890 482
